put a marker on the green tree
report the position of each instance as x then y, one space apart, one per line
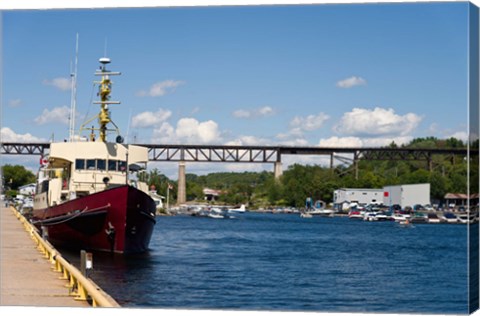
16 176
438 185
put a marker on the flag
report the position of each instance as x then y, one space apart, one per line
43 161
170 187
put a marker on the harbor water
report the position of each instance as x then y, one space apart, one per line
288 263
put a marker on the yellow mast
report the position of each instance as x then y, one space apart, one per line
104 116
105 88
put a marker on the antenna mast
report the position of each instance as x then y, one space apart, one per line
104 92
73 101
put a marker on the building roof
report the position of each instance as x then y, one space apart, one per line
361 189
208 191
27 186
456 196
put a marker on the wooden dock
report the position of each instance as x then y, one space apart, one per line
26 277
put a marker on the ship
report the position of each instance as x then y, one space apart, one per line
90 194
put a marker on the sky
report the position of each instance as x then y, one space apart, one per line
295 75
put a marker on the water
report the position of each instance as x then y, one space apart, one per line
284 262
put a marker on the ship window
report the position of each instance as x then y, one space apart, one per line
101 164
91 164
80 164
122 166
112 165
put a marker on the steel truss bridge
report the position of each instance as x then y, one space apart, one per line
259 154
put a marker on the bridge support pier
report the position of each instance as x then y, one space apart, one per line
355 164
331 162
182 192
277 170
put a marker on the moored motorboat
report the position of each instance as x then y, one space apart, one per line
398 217
306 215
321 212
433 218
449 217
419 218
355 214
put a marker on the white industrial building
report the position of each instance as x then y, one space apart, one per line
359 196
407 194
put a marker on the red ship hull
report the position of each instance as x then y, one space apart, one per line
118 220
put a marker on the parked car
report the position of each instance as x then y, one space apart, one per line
428 207
418 208
395 208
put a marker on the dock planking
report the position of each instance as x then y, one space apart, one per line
26 277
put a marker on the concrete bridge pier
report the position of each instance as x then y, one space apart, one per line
277 170
182 191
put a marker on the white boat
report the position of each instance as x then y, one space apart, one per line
433 218
381 216
370 216
400 217
466 218
355 214
241 209
321 212
215 215
306 215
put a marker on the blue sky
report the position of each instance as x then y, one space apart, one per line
301 75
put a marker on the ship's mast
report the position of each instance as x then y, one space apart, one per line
73 101
105 88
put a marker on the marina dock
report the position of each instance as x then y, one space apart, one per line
27 277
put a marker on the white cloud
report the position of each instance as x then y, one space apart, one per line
191 130
56 115
351 82
149 119
248 141
8 135
242 114
255 113
341 142
14 103
309 123
385 141
351 141
164 134
460 135
295 142
377 122
160 88
188 131
292 133
433 128
63 84
265 111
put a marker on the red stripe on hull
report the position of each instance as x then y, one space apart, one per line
120 219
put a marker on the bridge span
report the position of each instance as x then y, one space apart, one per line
259 154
